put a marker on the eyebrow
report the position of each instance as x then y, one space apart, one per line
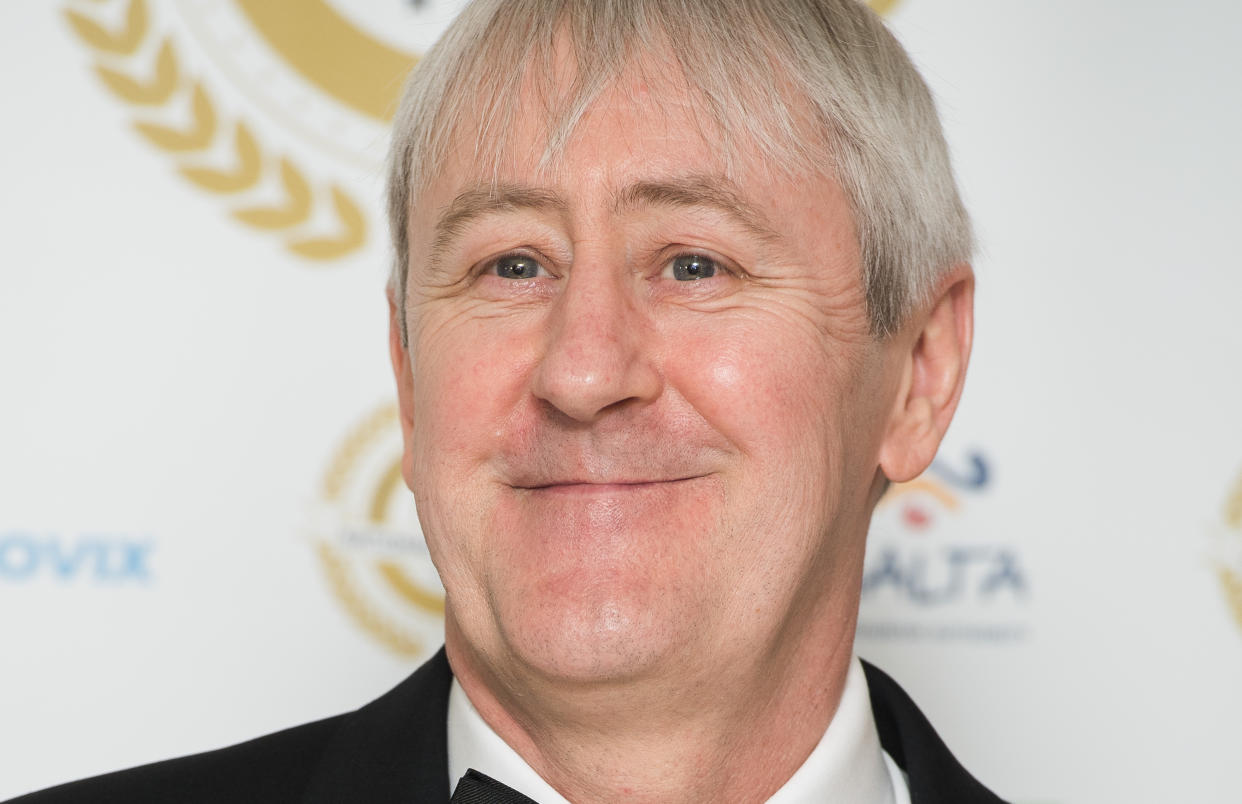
480 200
695 190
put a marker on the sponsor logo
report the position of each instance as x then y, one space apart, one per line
369 544
103 558
1228 563
931 572
279 109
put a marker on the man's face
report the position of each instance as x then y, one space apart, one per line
643 407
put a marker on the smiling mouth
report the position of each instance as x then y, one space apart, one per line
592 487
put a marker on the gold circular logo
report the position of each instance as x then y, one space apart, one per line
369 544
279 108
1229 567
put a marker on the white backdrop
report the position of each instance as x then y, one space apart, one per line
200 536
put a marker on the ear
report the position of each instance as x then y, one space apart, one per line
403 373
934 356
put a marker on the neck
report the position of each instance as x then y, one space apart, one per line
725 734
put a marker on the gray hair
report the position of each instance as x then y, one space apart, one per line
758 68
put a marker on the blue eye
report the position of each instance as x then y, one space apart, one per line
515 266
693 266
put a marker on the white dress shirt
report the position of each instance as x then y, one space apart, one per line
847 764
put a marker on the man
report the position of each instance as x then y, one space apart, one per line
680 288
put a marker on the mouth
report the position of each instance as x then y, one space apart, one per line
597 487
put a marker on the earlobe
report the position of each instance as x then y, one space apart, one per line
933 373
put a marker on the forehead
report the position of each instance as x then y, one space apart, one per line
649 137
643 142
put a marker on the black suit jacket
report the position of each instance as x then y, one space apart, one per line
394 750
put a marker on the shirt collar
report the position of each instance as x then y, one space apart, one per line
473 744
847 764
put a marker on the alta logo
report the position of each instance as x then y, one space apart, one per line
932 571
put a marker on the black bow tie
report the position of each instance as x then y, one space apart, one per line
478 788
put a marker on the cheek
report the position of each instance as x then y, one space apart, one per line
468 374
766 385
465 389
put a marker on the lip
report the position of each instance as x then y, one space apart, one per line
613 487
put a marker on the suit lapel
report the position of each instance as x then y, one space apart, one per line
935 775
394 749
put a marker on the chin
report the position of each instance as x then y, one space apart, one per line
595 635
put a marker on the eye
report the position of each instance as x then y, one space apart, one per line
518 266
689 267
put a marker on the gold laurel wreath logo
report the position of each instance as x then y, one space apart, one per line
1230 579
374 429
163 85
1232 584
345 589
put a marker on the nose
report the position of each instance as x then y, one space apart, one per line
599 351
